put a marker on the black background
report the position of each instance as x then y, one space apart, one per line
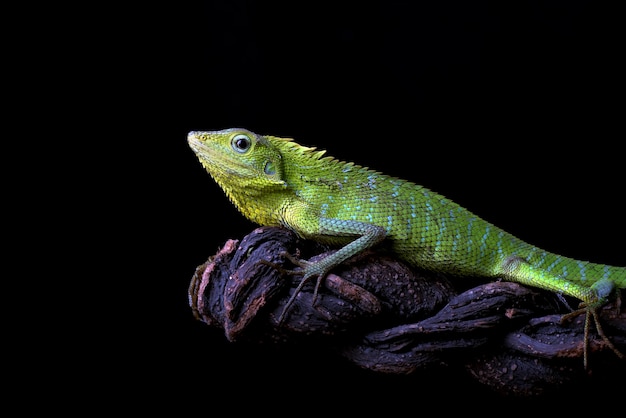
512 109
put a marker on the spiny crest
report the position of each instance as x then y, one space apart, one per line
290 145
312 153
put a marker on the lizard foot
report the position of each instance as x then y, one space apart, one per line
302 271
591 312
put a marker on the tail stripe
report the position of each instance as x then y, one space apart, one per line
556 261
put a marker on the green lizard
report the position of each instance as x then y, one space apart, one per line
275 181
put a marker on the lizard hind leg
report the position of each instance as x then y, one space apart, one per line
591 311
517 269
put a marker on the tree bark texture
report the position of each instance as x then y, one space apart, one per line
385 316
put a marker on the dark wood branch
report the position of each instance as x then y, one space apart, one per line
384 316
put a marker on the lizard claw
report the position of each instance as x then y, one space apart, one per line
292 259
591 311
295 260
303 264
297 290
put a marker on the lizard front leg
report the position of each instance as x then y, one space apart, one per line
367 235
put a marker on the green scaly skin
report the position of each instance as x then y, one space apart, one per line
275 181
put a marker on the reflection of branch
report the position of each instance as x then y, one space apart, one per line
384 316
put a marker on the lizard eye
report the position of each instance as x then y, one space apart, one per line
241 143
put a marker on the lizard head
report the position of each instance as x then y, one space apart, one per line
247 166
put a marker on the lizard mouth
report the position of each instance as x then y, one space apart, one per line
217 161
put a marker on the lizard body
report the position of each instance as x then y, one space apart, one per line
275 181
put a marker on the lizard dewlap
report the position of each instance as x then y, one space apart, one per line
275 181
